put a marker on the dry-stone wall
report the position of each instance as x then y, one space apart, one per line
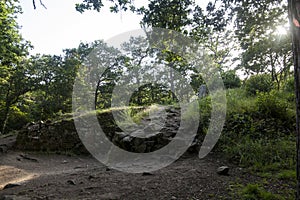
62 136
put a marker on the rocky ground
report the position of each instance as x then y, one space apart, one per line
40 176
25 175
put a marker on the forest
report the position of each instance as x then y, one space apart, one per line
248 42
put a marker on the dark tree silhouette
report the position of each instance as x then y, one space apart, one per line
294 16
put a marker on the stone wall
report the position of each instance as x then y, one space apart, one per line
62 136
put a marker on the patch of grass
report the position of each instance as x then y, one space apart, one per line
287 175
256 192
262 155
129 116
137 117
252 191
263 190
239 102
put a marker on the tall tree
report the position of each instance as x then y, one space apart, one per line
255 24
15 79
294 18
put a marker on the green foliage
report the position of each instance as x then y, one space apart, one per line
262 155
256 192
271 105
14 72
287 175
117 5
254 129
259 83
17 119
238 102
289 85
230 79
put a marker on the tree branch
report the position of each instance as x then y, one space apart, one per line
41 2
33 1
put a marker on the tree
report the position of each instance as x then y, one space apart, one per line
262 50
15 76
294 18
271 55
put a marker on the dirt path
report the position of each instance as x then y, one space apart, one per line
77 177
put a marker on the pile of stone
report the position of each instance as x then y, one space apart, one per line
153 133
50 137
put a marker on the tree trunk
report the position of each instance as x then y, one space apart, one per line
172 81
5 119
294 18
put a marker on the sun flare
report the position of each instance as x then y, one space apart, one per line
281 30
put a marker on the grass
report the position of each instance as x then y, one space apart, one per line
259 136
287 175
239 102
257 192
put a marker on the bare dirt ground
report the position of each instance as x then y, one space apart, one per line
82 177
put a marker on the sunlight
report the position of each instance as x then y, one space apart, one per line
10 174
281 30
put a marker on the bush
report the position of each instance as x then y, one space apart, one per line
239 102
255 127
230 79
259 83
17 119
289 85
271 105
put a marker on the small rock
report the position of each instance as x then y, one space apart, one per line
11 185
3 149
141 148
91 177
28 158
147 174
64 162
71 182
223 170
127 139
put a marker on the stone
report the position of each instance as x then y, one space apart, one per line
3 149
26 157
71 182
137 141
138 133
224 170
147 174
141 148
11 185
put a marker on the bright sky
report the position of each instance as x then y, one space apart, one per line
60 26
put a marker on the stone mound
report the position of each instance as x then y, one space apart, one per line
153 133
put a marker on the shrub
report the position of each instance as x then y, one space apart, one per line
239 102
259 83
271 105
230 79
17 119
289 85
